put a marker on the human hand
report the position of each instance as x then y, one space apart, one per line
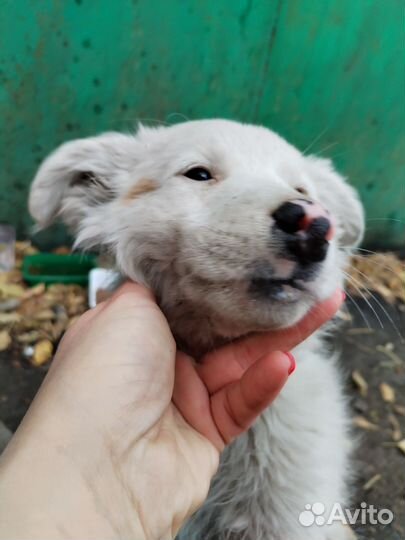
124 436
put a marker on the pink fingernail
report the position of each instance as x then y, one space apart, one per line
293 363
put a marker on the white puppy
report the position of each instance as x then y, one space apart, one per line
235 231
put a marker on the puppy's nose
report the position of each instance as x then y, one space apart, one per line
309 229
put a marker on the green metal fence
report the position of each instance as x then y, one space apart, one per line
328 74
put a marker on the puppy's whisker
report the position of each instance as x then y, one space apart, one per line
358 309
387 219
334 156
355 284
377 263
152 121
317 138
360 249
327 147
384 310
176 114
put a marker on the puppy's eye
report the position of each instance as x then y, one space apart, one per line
198 173
302 190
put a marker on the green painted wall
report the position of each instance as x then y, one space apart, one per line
326 74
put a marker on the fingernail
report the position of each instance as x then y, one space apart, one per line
293 363
343 295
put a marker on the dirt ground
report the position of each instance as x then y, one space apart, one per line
376 353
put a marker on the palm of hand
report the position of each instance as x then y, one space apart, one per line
161 420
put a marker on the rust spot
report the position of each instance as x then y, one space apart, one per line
145 185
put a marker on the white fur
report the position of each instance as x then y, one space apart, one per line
197 244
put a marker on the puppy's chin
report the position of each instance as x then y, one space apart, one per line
272 308
239 319
290 314
278 316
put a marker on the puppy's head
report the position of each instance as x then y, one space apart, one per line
225 220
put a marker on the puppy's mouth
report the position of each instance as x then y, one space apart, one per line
277 289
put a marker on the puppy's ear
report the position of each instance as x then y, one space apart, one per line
340 198
80 177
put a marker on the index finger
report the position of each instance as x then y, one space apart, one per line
230 362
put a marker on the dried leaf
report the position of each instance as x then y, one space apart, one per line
24 248
356 343
31 306
5 340
396 360
387 393
58 328
10 304
34 291
28 337
11 290
37 314
359 331
360 382
45 315
401 445
62 250
396 428
383 273
368 485
75 305
344 315
374 416
14 276
43 351
363 423
399 409
46 328
9 318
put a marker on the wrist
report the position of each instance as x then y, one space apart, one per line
47 493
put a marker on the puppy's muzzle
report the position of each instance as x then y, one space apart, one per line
307 229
